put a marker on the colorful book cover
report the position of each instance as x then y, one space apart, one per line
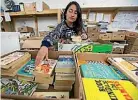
46 67
17 87
52 95
11 57
97 89
98 70
27 69
127 68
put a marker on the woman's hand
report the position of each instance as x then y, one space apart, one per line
42 53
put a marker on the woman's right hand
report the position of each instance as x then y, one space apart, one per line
42 53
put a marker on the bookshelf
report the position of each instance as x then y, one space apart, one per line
34 14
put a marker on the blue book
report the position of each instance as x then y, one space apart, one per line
26 72
98 70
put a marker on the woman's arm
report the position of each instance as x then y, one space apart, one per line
52 37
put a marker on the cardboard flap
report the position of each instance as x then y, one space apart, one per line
31 44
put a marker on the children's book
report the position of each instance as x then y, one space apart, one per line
102 89
17 87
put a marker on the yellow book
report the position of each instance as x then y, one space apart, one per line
101 89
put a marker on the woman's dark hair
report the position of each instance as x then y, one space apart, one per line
78 23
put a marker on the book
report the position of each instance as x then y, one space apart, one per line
26 72
15 65
99 70
44 80
52 95
11 57
63 88
46 68
17 87
65 64
128 69
62 80
102 89
43 86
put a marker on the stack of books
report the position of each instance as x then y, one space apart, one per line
11 63
44 73
65 73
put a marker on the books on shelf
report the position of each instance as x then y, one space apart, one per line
97 89
17 87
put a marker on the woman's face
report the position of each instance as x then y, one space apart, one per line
71 14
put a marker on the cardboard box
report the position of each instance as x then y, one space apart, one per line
118 50
25 29
30 7
128 33
43 33
106 36
131 40
131 48
31 44
118 36
41 6
93 36
52 55
97 57
92 29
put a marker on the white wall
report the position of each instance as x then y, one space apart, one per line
84 3
43 22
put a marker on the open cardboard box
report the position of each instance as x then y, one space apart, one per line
53 55
95 57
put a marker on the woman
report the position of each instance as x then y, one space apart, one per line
72 25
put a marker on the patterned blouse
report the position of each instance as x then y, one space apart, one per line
62 31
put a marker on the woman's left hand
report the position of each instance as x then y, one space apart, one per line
84 36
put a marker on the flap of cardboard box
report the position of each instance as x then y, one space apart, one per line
31 44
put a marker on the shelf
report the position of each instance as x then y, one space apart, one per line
45 12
